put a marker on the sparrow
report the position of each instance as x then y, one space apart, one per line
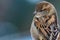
44 24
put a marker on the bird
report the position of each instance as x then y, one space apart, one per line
44 25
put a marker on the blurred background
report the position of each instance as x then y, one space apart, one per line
16 17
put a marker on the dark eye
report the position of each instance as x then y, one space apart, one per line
42 10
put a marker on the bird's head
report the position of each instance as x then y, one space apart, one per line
43 9
43 6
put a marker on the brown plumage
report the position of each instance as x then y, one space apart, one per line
44 24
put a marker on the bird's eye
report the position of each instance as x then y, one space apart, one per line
42 10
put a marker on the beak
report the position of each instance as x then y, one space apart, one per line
34 12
